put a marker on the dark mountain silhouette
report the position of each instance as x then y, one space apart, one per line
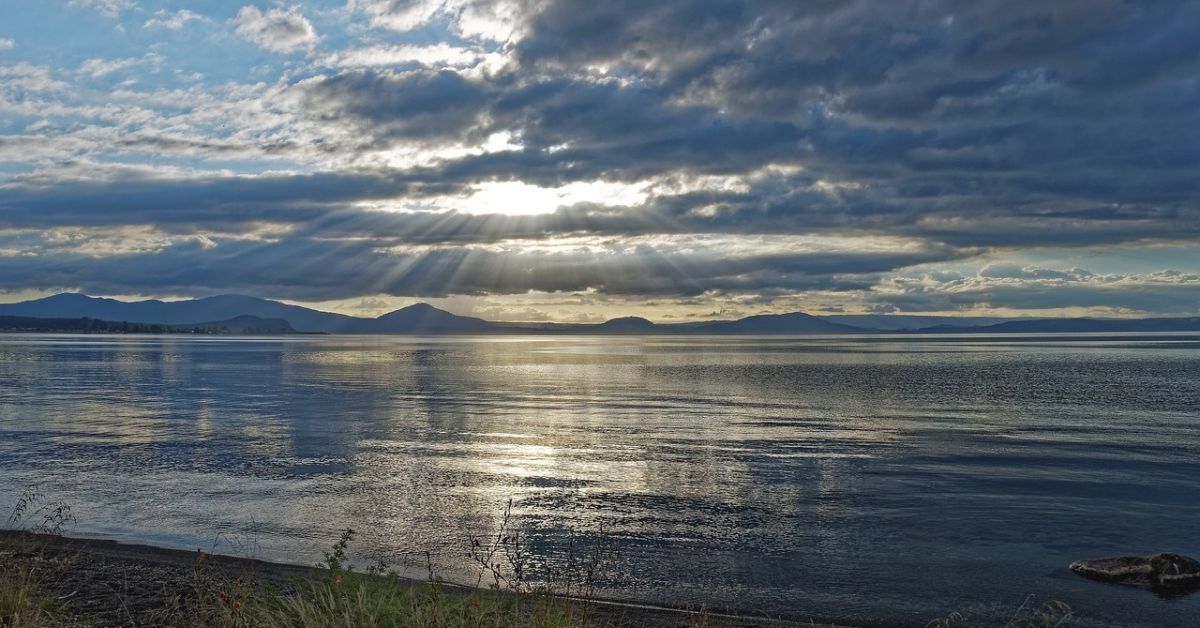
87 325
245 324
1074 325
423 318
78 326
626 325
242 312
794 323
419 318
909 322
218 308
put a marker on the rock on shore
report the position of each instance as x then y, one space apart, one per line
1156 571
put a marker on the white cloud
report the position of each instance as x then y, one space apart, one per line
1008 270
440 54
172 21
277 30
109 8
5 44
399 16
99 68
496 20
1005 288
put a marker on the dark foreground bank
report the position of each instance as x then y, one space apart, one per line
50 581
89 582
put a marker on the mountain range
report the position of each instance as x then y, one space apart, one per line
244 324
254 313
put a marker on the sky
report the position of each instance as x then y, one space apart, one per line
577 160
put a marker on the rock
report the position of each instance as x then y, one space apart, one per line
1159 570
1172 568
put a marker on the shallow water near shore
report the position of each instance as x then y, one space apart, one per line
872 480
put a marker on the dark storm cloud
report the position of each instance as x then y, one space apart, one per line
796 50
314 269
968 126
320 206
1099 90
573 128
412 105
212 202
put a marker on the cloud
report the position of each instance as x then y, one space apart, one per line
1033 289
401 15
107 8
385 106
7 44
323 268
985 130
277 30
99 68
173 21
1005 270
437 55
492 20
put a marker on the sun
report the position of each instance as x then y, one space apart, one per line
517 198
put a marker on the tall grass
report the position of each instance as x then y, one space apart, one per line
22 604
22 570
506 593
376 597
1051 614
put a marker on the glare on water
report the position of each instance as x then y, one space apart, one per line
871 479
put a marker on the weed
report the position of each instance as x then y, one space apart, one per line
513 588
1051 614
35 514
22 604
22 565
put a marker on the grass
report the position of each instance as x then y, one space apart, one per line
22 572
22 604
376 597
338 595
334 595
1052 614
351 599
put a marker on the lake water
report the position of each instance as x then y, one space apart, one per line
880 481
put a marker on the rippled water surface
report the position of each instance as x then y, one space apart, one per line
879 481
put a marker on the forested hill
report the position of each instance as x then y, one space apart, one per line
85 325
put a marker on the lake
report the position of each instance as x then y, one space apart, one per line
878 481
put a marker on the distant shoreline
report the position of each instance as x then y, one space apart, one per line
880 336
242 314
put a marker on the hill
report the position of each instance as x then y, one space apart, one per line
87 325
419 318
793 323
1074 325
243 314
246 324
423 318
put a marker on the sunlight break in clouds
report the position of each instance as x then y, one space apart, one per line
493 20
392 55
515 198
680 159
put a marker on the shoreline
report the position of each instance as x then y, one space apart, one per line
111 578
